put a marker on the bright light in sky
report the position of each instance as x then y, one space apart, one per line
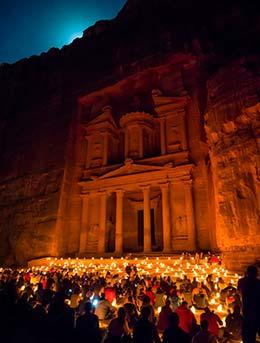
34 26
74 36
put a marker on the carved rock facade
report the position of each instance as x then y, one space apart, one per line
161 94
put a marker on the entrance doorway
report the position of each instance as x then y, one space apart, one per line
140 228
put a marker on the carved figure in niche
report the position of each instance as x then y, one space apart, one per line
181 225
174 136
97 147
134 143
110 235
93 236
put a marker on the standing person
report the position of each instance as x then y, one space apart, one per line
87 326
173 333
118 328
61 319
144 330
249 288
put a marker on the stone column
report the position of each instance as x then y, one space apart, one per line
126 134
166 218
105 151
119 222
183 131
190 215
141 143
162 136
84 223
147 220
102 223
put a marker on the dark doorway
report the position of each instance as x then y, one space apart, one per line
140 227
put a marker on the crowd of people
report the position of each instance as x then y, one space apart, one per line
60 306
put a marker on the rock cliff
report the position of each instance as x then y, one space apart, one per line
218 68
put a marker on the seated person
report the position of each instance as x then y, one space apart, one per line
104 310
234 325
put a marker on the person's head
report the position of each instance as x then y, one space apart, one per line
167 302
145 312
184 304
236 309
76 290
207 310
40 286
88 307
146 300
130 299
252 272
174 320
121 313
204 325
59 298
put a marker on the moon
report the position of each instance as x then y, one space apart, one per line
74 36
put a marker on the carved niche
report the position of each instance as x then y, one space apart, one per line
102 140
172 118
139 134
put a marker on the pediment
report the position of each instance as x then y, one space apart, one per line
164 104
131 169
105 118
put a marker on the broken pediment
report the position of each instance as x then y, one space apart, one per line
130 168
104 120
165 104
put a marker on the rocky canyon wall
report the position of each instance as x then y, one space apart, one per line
39 129
232 124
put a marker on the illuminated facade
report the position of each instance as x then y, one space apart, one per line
136 188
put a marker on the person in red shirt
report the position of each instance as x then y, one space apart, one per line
187 318
27 277
151 295
163 320
213 320
110 293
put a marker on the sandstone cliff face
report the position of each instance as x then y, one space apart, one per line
38 105
232 125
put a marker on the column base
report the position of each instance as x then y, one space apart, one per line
147 251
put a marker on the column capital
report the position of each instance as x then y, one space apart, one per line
120 192
164 186
104 193
162 118
84 195
145 187
188 183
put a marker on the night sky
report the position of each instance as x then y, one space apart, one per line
30 27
